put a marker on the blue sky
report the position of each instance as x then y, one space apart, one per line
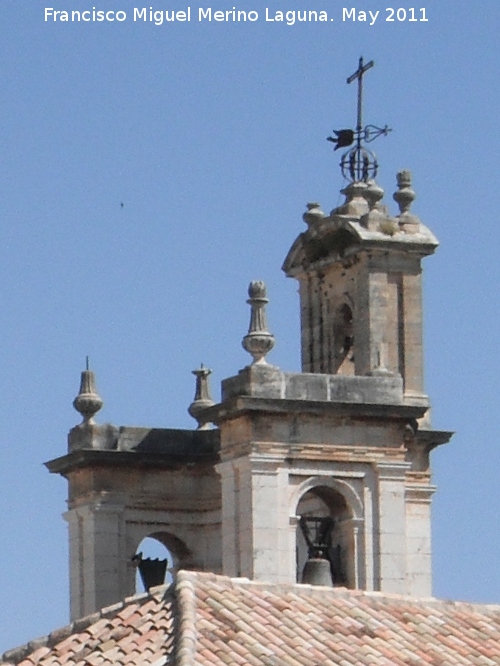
213 137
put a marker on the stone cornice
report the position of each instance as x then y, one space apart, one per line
240 405
85 458
301 260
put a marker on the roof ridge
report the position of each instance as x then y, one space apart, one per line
186 601
17 654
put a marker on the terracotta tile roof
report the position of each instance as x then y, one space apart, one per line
219 620
232 621
136 632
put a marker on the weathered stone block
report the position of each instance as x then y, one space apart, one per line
306 386
92 436
259 381
368 390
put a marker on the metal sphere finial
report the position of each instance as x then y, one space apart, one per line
358 164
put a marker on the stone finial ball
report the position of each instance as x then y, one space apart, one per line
403 178
257 289
313 213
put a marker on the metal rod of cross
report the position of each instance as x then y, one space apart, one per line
358 74
358 163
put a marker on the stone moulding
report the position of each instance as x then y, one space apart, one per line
245 404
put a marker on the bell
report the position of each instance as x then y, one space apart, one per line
317 572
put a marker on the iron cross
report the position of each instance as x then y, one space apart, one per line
358 74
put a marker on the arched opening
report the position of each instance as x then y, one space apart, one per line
343 341
325 502
155 549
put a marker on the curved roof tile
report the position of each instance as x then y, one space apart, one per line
210 620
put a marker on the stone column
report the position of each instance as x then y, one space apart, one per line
306 323
98 560
362 325
359 556
392 526
229 474
371 522
378 314
271 544
418 541
255 523
412 319
316 332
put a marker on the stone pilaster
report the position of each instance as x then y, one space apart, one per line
98 558
418 495
255 523
392 526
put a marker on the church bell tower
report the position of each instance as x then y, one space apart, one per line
320 476
330 467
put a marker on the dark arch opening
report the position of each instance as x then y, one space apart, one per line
163 546
322 502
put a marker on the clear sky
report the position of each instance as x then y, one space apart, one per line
212 135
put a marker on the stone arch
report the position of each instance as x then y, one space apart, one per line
336 499
344 488
178 550
171 546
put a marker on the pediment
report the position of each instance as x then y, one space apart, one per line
310 248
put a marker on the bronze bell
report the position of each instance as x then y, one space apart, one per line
317 572
317 533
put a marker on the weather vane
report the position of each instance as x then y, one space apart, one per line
358 163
